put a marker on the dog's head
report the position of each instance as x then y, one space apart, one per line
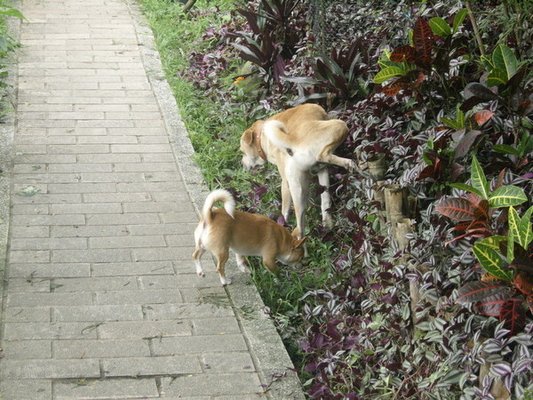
297 252
250 146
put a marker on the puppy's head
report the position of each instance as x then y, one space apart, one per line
251 157
297 252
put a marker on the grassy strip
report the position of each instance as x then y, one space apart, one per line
215 132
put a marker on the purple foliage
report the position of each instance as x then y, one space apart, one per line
360 336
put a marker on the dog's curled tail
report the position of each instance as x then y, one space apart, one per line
218 195
276 132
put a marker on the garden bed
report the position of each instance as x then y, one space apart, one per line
424 297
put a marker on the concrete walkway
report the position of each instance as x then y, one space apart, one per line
100 298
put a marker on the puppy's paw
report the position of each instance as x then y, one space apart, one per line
243 268
225 281
200 272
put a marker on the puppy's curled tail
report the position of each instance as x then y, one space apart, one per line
218 195
276 132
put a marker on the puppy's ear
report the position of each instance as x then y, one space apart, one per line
258 126
299 242
248 136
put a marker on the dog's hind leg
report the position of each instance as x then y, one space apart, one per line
241 263
325 199
196 256
346 163
222 258
199 250
299 187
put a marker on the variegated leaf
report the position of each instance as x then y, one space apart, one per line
488 255
479 181
506 196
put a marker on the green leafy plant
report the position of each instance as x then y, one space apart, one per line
504 258
502 65
503 196
441 28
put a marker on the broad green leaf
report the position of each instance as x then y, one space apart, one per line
384 60
466 188
526 144
460 116
487 63
440 27
525 227
505 149
451 123
497 77
504 59
479 181
487 253
388 73
514 225
510 246
458 19
506 196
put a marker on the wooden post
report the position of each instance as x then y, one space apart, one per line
498 389
377 167
393 204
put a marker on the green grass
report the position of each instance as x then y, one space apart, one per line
176 35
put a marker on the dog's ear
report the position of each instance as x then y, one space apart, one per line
299 242
248 136
258 126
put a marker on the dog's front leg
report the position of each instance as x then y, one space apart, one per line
325 199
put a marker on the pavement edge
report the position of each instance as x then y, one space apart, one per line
7 135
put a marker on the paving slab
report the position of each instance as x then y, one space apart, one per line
99 197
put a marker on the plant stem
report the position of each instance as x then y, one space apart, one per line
475 27
187 7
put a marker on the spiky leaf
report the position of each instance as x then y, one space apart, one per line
479 181
440 27
506 196
487 251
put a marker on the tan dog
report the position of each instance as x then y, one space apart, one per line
246 234
295 141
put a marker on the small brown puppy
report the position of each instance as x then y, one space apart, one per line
246 234
296 140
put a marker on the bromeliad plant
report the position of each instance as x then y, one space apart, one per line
503 252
